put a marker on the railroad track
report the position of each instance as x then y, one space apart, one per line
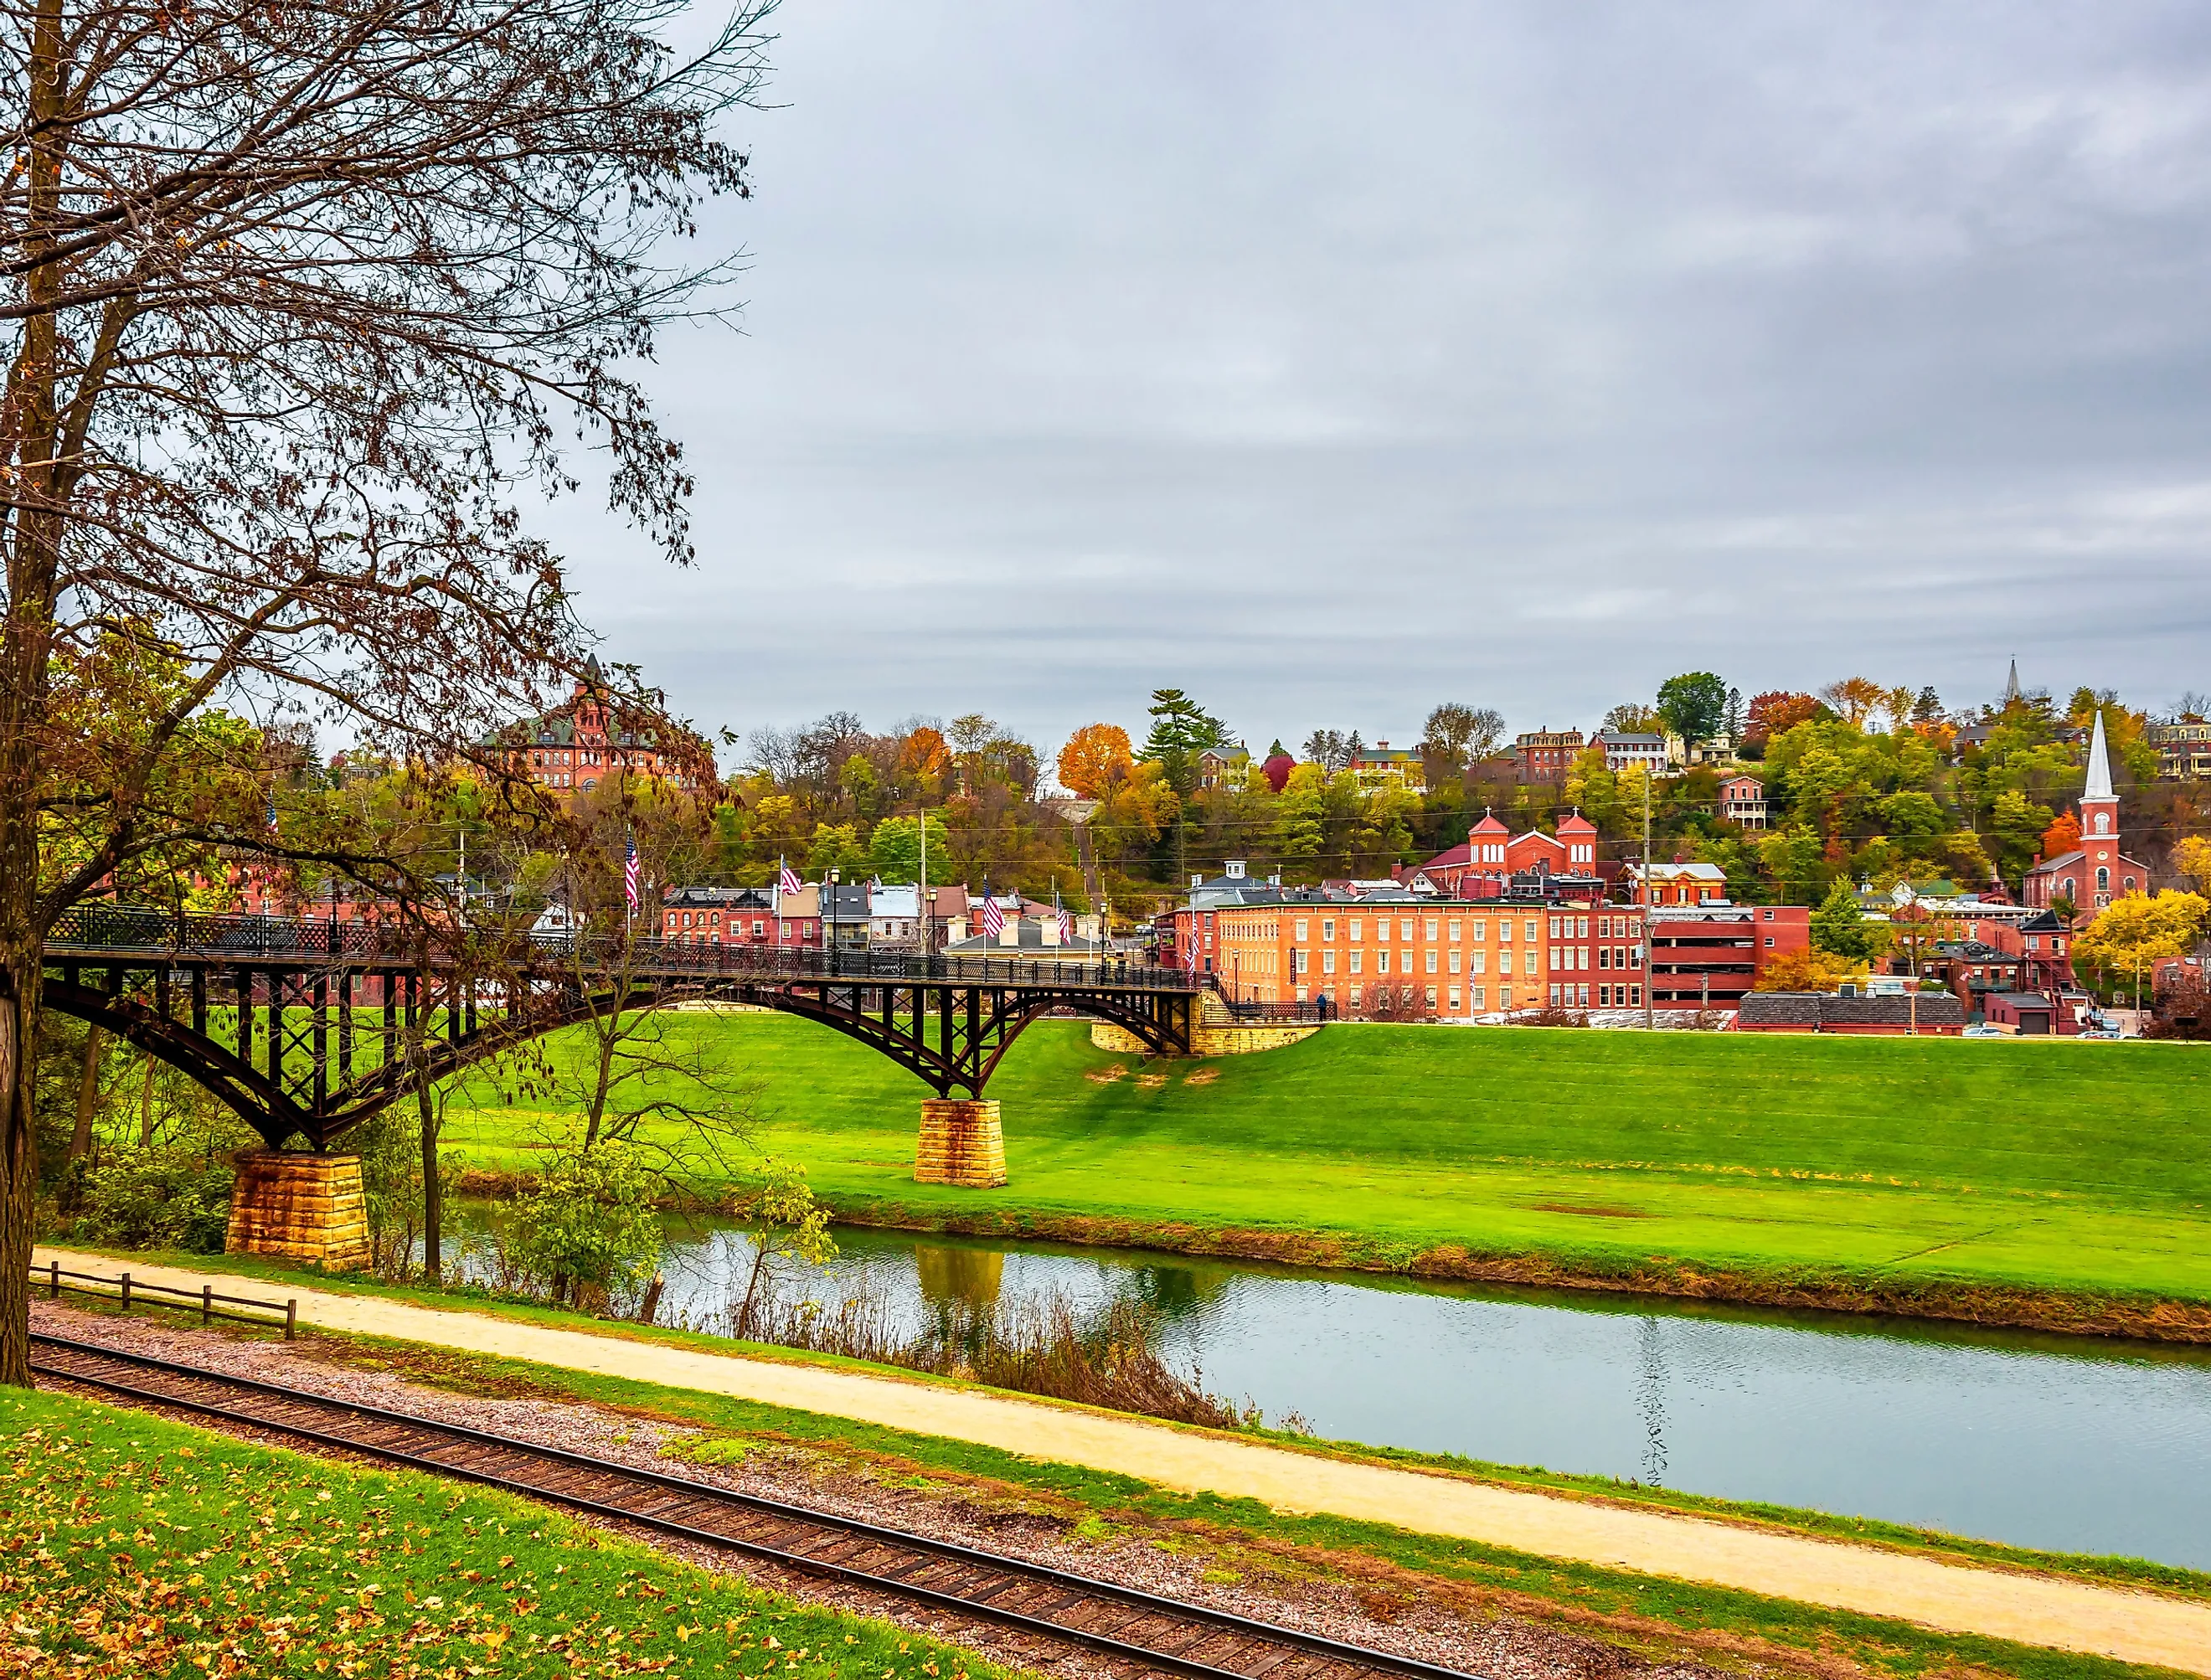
1151 1633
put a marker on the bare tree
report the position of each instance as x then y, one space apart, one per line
299 299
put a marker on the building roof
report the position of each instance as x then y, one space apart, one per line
2099 765
719 898
1819 1009
1029 931
1675 871
2021 1000
1620 737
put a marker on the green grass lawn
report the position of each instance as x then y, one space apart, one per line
129 1545
2031 1164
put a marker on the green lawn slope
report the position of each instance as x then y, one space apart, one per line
1869 1172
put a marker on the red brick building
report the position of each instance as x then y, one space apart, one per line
1544 756
575 746
1709 957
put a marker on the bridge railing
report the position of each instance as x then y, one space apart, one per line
94 930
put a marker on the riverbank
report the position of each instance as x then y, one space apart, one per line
2046 1186
1232 1479
1991 1306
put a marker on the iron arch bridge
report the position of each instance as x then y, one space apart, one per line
307 1027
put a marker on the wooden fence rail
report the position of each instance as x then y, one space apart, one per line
123 1289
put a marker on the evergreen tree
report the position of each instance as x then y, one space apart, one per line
1839 925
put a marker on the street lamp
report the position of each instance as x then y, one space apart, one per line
829 886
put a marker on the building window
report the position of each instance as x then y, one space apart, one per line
1634 997
1479 964
1431 955
1529 964
1554 997
1328 928
1429 931
1302 925
1479 995
1554 926
1505 930
1769 941
1455 927
1355 959
1328 962
1382 961
1431 996
1531 930
1457 1007
1358 927
1404 927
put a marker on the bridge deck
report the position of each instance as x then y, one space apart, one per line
95 934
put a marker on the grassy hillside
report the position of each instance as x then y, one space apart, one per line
2074 1166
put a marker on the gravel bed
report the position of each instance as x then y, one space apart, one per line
1502 1647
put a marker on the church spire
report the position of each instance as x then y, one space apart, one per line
2099 764
2011 685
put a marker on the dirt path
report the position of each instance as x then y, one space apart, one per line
2133 1627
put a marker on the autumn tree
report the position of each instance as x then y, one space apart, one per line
1854 698
1095 758
1777 711
2191 860
1808 970
2063 835
2132 933
301 300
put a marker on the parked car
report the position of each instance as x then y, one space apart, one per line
2109 1035
1981 1029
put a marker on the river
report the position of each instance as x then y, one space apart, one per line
2063 1443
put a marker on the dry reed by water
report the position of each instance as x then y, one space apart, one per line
1036 1345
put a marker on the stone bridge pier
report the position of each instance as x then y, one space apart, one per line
962 1141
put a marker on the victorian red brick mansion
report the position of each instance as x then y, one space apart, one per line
2100 871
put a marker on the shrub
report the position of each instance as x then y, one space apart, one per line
149 1198
587 1225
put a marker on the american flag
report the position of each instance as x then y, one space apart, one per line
272 810
1066 926
993 918
630 867
1189 951
790 884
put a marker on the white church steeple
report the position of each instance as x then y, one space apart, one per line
2099 765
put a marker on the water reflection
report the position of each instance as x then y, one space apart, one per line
970 1278
2041 1441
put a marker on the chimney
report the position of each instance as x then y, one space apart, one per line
1010 933
1196 881
1048 929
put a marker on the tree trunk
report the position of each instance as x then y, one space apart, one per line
432 1191
87 1097
146 1109
19 978
30 450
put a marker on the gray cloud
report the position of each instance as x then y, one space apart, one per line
1330 365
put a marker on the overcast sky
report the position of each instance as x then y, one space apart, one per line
1329 363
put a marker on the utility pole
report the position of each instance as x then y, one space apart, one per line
1649 946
